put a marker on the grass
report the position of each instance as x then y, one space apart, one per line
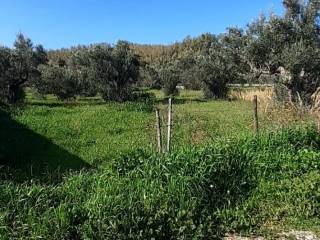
87 170
92 132
247 186
96 131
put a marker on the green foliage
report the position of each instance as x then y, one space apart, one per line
60 81
193 193
4 66
88 71
128 162
125 72
216 70
130 192
302 61
170 77
81 65
286 48
19 66
149 77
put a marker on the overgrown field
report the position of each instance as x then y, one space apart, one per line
88 170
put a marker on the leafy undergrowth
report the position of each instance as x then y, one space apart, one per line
244 185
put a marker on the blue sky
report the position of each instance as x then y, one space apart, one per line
64 23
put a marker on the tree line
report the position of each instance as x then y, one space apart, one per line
282 50
108 70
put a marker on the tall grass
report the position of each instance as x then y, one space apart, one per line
264 94
245 185
279 114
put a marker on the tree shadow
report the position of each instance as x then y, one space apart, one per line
67 104
25 154
180 101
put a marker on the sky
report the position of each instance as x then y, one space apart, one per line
65 23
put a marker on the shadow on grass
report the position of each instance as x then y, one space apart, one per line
25 154
67 104
181 101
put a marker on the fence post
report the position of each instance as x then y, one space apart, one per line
255 115
158 125
169 124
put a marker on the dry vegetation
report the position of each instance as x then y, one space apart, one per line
278 113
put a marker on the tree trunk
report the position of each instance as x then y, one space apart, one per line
13 93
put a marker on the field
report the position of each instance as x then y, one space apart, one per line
89 169
96 131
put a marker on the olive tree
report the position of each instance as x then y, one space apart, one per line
169 75
286 49
80 64
19 66
114 70
217 71
60 81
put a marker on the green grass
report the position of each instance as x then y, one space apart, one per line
91 132
246 185
96 131
88 170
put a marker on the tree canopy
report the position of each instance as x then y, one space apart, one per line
18 66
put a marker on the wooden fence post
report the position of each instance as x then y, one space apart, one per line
158 125
255 115
169 124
